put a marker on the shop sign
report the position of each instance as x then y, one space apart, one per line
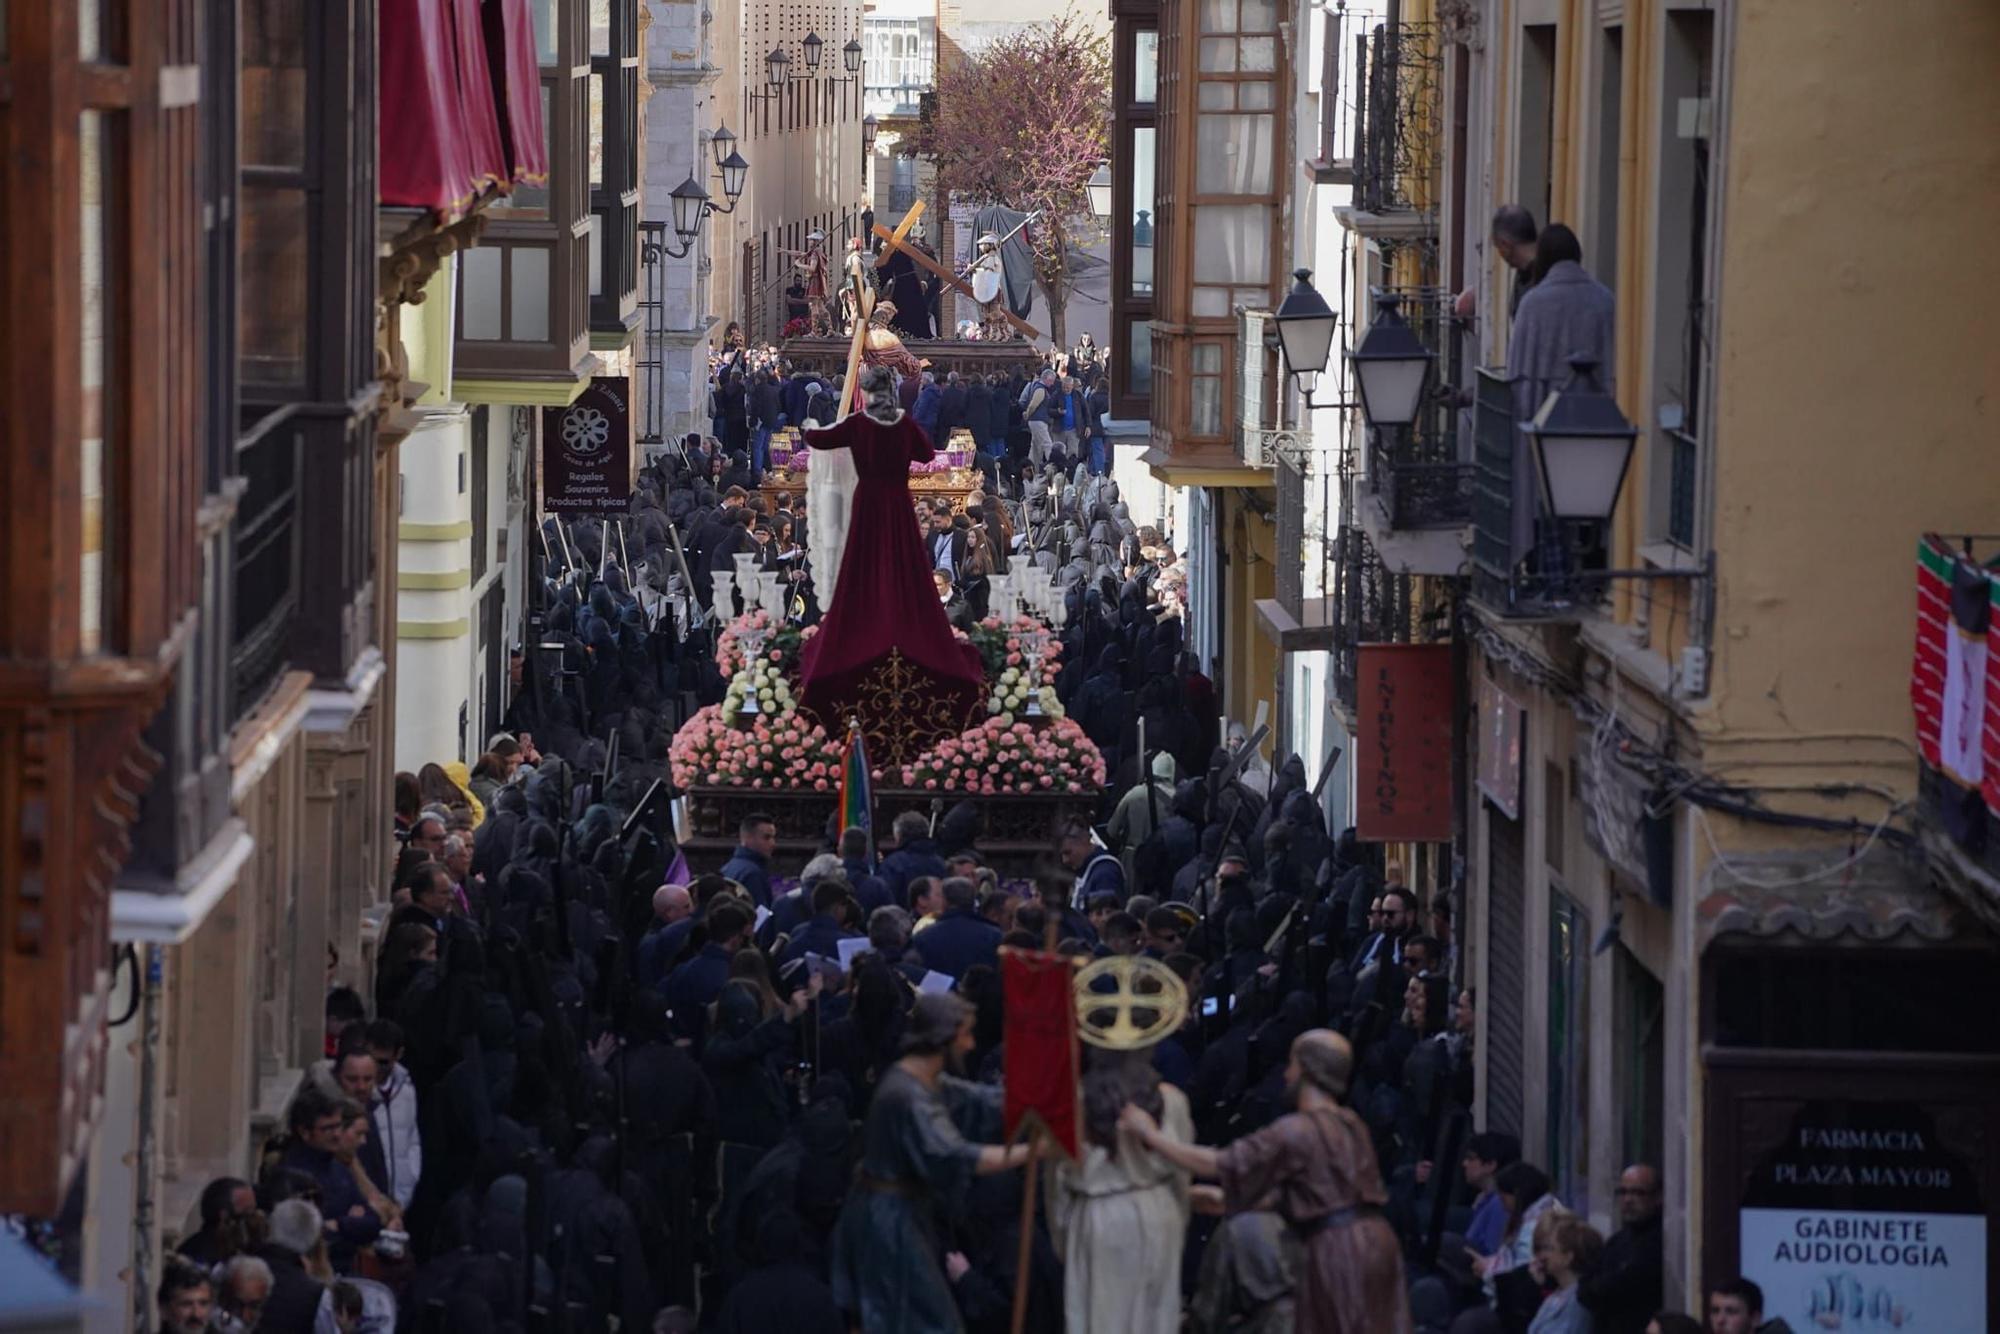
1860 1220
1402 745
587 450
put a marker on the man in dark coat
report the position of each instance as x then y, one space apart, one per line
294 1302
822 933
317 1125
1624 1288
782 1293
915 855
749 865
693 987
951 408
960 938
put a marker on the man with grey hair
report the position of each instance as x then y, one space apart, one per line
246 1287
791 911
889 936
294 1299
671 903
960 937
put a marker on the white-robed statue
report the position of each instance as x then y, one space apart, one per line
830 483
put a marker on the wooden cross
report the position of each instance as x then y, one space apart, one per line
864 306
894 240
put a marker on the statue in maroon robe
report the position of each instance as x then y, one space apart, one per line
885 653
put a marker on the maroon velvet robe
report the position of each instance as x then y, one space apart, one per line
884 600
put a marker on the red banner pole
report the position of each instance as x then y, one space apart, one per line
1025 1255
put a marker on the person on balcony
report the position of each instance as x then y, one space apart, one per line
1515 241
1566 315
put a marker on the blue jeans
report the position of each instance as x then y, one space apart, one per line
760 444
1100 455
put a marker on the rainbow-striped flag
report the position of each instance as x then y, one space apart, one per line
857 801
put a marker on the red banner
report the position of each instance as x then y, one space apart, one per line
1042 1063
1402 743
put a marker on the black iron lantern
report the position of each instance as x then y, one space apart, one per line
690 207
1305 331
850 56
868 127
1583 445
734 170
1391 366
775 66
813 46
722 143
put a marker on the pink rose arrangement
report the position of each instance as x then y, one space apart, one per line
782 639
785 750
1001 756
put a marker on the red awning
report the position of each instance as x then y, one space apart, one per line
425 160
461 88
510 34
485 158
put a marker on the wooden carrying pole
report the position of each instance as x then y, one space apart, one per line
923 261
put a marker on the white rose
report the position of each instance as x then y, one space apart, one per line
1010 676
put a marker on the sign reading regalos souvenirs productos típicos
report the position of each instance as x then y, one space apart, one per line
587 450
1402 742
1859 1220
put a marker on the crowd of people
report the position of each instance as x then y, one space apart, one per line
588 1086
1055 407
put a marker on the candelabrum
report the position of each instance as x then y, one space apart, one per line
722 596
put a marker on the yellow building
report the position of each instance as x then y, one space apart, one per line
1700 925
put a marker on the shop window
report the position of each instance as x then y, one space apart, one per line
1205 389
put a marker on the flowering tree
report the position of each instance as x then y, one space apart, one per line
1024 124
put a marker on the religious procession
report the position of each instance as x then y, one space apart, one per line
1120 673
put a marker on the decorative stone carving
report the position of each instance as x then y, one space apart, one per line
1460 20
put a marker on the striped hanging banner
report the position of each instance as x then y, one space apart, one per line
857 801
1934 561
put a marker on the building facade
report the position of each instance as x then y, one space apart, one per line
546 305
1703 912
199 821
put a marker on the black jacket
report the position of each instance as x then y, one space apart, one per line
951 411
1623 1290
295 1294
765 404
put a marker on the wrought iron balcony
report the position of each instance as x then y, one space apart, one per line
1416 474
1398 119
1514 544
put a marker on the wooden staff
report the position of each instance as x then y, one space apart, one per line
1025 1251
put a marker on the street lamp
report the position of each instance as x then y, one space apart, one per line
1099 187
1391 366
868 127
775 67
692 204
850 56
1583 444
722 142
734 169
1305 332
812 44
